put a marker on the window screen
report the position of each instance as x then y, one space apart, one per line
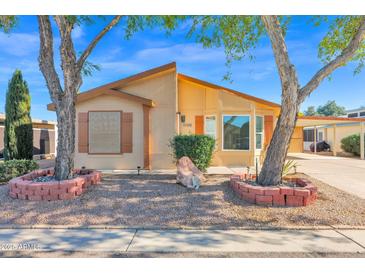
210 126
104 132
309 135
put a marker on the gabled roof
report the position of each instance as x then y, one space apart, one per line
98 92
114 87
214 86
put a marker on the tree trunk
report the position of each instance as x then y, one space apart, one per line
293 96
272 168
66 115
64 97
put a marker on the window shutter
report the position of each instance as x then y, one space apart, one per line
83 138
199 124
127 132
268 128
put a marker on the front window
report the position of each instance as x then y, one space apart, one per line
259 131
236 132
210 126
104 132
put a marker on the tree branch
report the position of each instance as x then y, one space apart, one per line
93 43
46 62
339 61
286 70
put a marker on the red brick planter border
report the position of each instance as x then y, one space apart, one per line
25 189
275 196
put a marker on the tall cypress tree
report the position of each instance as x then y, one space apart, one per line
18 137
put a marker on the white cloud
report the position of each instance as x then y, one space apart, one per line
184 53
121 67
19 44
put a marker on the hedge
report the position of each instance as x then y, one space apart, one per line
351 144
14 168
199 148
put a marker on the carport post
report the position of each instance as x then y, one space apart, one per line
315 139
334 141
362 132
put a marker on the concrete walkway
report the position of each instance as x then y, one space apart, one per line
149 241
347 174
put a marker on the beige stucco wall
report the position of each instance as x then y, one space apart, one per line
160 88
120 161
341 132
195 99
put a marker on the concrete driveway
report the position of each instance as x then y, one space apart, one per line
347 174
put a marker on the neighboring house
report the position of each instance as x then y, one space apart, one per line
129 123
44 136
329 129
354 113
325 132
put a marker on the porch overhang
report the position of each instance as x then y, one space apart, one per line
316 121
311 121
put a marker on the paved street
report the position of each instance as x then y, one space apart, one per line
347 174
185 241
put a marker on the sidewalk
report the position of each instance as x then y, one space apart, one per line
174 241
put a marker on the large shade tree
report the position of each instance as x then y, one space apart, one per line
331 108
64 95
343 43
63 87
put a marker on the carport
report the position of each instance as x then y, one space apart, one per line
329 121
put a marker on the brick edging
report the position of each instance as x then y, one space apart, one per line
305 195
25 189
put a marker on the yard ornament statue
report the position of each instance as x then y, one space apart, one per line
188 174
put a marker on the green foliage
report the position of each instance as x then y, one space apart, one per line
14 168
18 136
351 144
199 148
341 31
89 68
328 109
141 22
7 22
288 167
237 34
311 111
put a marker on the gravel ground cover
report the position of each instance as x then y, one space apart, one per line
157 201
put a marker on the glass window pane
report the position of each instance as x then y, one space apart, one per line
259 123
236 132
259 131
259 141
104 132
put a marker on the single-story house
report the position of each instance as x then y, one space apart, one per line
129 122
44 137
329 129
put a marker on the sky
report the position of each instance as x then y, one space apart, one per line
118 58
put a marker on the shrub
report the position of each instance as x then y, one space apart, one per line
14 168
199 148
351 144
18 135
